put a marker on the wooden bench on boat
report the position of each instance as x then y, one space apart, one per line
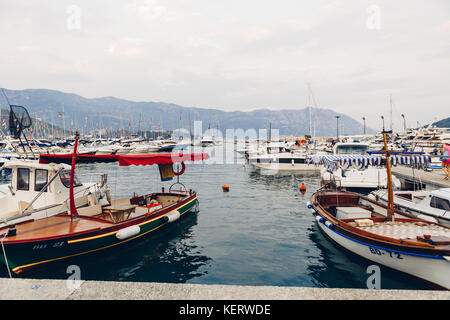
119 212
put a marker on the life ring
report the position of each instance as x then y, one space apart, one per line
179 173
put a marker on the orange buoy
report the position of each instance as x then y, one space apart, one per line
225 188
302 187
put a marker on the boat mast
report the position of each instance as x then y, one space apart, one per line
73 208
390 204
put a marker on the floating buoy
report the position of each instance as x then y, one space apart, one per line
225 188
302 187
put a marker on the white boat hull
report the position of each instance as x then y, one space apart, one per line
286 166
355 179
434 270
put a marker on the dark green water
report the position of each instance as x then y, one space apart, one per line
259 233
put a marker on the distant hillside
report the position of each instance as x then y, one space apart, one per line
113 113
444 123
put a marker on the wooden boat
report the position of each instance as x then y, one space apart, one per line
96 227
383 235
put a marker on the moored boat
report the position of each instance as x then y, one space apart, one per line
96 227
384 235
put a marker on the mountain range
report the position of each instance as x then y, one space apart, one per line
71 110
444 123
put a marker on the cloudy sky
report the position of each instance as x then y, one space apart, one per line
237 55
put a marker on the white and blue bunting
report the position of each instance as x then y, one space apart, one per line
363 161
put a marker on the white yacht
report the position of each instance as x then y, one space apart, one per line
350 177
283 161
166 145
432 205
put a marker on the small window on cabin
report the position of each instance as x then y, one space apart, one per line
40 179
65 179
440 203
23 179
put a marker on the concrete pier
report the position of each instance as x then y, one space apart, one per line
432 179
42 289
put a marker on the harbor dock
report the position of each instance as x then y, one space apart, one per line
431 179
43 289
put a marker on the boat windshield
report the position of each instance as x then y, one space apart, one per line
65 179
351 149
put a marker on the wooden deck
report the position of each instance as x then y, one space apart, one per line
406 230
54 227
432 179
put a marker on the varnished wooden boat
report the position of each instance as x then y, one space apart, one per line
381 234
93 228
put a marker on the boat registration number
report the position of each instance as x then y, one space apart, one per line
387 252
43 246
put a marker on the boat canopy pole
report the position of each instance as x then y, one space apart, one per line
73 208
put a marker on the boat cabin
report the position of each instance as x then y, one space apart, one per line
356 148
30 179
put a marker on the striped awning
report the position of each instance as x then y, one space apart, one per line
332 162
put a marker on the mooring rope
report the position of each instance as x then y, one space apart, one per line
4 255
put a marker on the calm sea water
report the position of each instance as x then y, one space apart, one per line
259 233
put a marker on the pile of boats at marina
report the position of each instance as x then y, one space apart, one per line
298 156
10 147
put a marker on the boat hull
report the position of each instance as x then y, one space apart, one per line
426 267
22 256
286 166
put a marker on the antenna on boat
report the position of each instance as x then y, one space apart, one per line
19 119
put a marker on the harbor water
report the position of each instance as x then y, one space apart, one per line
259 233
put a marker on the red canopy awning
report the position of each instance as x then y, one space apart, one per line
150 159
81 158
125 160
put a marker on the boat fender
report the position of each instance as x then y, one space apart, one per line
319 219
128 232
308 205
329 224
172 216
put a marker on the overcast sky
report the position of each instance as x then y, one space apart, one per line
237 55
